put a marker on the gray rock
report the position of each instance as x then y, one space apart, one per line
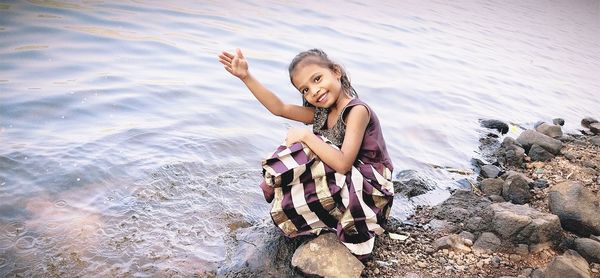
587 121
530 137
595 128
595 140
577 207
589 249
462 206
540 183
453 242
523 224
516 189
260 251
510 153
537 273
441 226
467 235
490 171
568 265
558 121
553 131
487 243
410 183
496 199
494 124
537 153
491 186
326 256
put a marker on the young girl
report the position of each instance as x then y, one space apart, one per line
336 177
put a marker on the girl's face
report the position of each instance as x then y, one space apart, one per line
319 85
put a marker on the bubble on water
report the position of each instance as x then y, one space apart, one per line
62 117
78 179
61 203
26 242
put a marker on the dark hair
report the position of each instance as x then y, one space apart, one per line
318 56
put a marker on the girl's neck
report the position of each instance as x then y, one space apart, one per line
341 102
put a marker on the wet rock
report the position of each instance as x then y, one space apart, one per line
462 206
558 121
589 249
553 131
491 186
510 153
587 121
490 171
494 124
523 224
530 137
410 183
487 243
326 256
516 188
453 242
577 207
570 264
537 153
260 251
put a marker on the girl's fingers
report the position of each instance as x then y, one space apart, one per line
239 53
225 63
229 70
225 58
227 54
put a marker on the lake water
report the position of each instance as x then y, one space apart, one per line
127 150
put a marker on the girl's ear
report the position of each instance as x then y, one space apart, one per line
337 71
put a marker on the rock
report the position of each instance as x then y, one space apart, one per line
461 206
496 199
595 128
577 207
523 224
589 249
558 121
510 153
487 243
453 242
475 224
411 275
467 235
441 226
494 124
595 140
491 186
326 256
261 251
490 171
537 273
410 183
553 131
587 121
537 153
540 183
516 189
522 249
570 264
530 137
527 272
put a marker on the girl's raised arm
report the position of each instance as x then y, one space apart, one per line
238 67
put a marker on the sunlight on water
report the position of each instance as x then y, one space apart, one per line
127 150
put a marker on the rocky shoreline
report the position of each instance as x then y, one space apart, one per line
533 211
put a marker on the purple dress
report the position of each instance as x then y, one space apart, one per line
309 196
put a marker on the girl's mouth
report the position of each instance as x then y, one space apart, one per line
323 97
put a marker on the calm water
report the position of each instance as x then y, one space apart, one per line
126 149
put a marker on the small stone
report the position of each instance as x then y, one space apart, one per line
421 264
515 257
527 272
376 271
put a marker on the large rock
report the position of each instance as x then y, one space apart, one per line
577 207
462 206
568 265
410 183
516 188
587 121
530 137
538 153
490 171
260 251
589 249
553 131
494 124
491 186
326 256
487 243
595 128
523 224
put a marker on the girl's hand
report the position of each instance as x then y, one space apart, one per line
295 135
235 64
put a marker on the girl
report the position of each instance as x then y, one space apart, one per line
336 177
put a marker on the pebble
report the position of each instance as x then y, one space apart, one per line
421 264
376 271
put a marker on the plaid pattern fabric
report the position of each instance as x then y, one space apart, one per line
308 196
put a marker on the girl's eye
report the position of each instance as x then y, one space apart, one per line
317 78
304 91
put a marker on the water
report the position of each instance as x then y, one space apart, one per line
128 151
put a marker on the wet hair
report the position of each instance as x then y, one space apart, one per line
318 56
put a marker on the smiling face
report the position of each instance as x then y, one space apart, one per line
319 85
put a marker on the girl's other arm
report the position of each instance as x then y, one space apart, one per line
238 67
340 160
